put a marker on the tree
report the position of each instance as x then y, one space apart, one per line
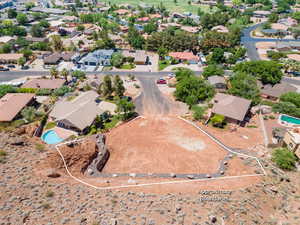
273 17
57 43
36 31
106 87
286 108
125 109
6 48
198 112
269 72
218 120
4 89
191 89
296 16
22 18
162 52
11 13
53 72
65 73
135 39
292 97
27 53
29 5
172 40
22 61
44 23
80 27
150 27
117 60
118 86
212 70
78 74
28 113
217 56
245 86
62 91
284 158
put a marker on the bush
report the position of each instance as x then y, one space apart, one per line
218 120
43 92
18 123
50 125
3 155
284 158
40 147
62 91
29 113
198 112
49 194
26 90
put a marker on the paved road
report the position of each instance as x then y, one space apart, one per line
151 101
250 42
289 80
12 75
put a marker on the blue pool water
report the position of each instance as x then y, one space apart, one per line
51 137
290 119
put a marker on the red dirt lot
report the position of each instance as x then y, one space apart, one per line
161 145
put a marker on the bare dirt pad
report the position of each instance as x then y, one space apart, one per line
161 145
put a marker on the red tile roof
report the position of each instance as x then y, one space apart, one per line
183 55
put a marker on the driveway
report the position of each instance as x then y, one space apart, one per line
193 67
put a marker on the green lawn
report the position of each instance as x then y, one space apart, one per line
180 6
128 66
162 64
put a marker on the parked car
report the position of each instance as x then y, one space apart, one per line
171 75
11 66
4 68
161 81
128 98
24 67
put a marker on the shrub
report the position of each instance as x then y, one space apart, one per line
18 123
40 147
62 91
3 155
218 120
29 113
136 86
43 92
284 158
50 125
198 112
49 194
46 206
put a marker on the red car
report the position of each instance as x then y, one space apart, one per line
161 81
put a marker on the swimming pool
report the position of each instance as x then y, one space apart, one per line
290 119
51 137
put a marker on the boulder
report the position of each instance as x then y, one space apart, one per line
19 141
52 173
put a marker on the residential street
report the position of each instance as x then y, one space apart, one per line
12 75
250 42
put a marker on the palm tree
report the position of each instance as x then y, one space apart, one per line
28 113
53 72
65 73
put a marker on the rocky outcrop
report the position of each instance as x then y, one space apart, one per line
98 163
88 155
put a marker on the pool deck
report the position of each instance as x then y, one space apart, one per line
64 133
287 124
